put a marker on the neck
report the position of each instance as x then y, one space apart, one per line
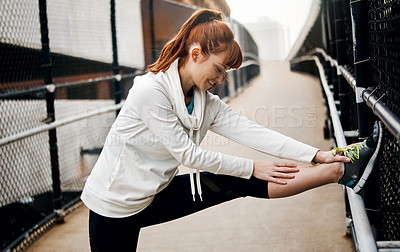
186 82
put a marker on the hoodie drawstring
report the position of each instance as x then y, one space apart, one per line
199 185
192 187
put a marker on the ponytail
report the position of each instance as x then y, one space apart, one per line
205 27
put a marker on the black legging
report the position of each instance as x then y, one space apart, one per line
175 201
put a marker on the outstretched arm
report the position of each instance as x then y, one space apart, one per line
246 132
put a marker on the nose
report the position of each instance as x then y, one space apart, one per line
221 77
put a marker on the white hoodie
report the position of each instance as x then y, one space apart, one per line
154 133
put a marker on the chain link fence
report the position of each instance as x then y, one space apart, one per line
65 68
384 47
83 80
371 56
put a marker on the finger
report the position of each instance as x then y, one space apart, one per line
341 159
287 169
278 181
283 175
286 165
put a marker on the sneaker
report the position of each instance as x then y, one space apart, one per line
362 159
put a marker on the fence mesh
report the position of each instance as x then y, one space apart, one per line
20 57
384 34
384 53
81 51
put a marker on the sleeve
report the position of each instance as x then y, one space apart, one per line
244 131
156 112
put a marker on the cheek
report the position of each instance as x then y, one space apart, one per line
209 73
204 73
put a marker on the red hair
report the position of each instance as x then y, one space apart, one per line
206 28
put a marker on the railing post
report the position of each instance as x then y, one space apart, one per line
50 97
343 87
152 32
242 77
115 65
359 14
236 80
366 118
327 34
332 47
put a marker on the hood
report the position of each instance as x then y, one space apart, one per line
174 88
170 79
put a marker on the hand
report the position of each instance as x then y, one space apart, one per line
273 171
327 157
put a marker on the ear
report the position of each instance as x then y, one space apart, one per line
196 53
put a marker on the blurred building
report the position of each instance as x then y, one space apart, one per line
271 37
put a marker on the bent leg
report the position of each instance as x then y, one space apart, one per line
112 234
307 178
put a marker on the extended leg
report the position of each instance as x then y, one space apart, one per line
306 179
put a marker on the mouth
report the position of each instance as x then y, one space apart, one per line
212 84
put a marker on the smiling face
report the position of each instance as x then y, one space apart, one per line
205 71
208 71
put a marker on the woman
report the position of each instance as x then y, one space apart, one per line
166 115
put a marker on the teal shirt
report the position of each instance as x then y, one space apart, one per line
190 106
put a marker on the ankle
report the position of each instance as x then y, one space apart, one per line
338 171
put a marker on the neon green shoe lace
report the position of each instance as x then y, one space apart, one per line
354 149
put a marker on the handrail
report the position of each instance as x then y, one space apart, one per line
58 123
68 84
391 121
35 90
248 63
388 118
